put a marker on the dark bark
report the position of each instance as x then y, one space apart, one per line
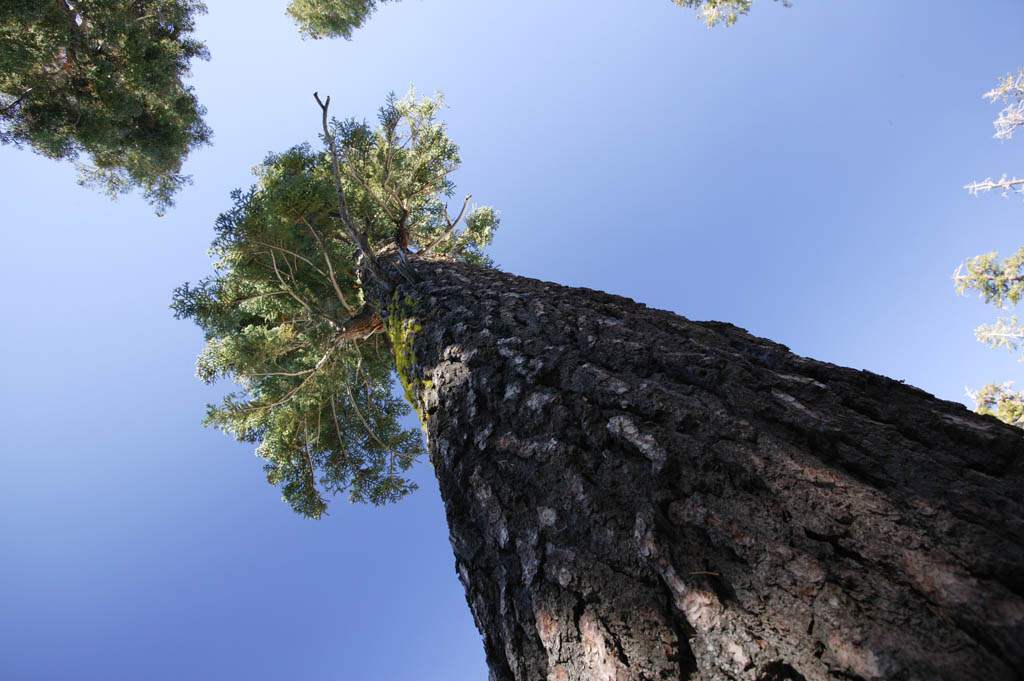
632 495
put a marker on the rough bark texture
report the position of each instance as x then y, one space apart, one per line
632 495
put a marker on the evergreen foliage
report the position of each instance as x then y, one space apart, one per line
338 18
1000 283
331 18
715 12
103 78
281 313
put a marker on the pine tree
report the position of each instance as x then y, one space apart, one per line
1000 283
103 79
630 495
285 315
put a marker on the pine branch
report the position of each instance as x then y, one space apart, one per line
330 268
369 430
292 293
451 227
293 254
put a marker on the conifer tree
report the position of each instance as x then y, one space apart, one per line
103 80
331 18
630 495
1000 282
284 315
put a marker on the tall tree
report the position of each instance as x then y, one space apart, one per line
285 314
103 79
1000 283
631 495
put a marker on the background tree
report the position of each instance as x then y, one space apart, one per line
103 79
1000 282
338 18
630 495
715 12
331 18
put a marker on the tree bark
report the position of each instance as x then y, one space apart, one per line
632 495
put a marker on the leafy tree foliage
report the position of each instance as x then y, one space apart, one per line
283 314
1000 283
103 78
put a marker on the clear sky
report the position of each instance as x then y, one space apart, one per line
798 175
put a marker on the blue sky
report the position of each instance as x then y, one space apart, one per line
798 175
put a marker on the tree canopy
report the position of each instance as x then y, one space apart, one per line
1000 283
331 18
283 314
104 80
339 18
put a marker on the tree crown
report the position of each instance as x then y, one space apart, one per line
284 315
331 18
339 18
104 80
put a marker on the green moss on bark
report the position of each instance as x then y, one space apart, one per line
403 328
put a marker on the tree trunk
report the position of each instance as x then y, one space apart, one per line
632 495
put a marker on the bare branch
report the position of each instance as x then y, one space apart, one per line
451 227
358 238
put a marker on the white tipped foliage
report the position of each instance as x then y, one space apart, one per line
715 12
999 283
